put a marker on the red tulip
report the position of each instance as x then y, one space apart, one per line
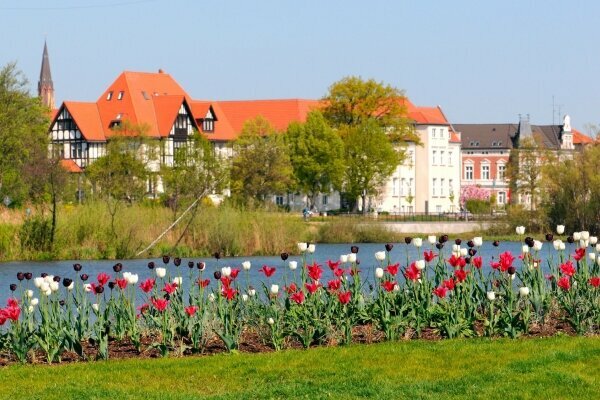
234 273
579 254
12 302
312 287
564 283
344 297
314 271
388 286
191 310
334 285
595 281
440 292
412 272
506 260
160 304
449 284
429 255
170 288
477 262
229 293
147 285
203 283
226 281
459 262
103 278
292 288
268 271
567 268
338 272
393 269
298 297
333 264
121 283
460 275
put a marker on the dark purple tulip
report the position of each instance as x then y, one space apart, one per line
357 261
468 260
44 274
77 267
190 264
470 243
28 275
512 270
20 276
457 242
166 259
284 256
151 265
99 289
496 243
13 287
439 246
67 282
354 249
444 239
201 265
84 277
217 275
389 247
118 267
407 239
56 278
177 261
549 237
570 239
217 255
472 252
62 303
111 285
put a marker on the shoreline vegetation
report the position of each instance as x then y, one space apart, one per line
84 233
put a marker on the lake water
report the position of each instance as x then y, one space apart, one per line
324 252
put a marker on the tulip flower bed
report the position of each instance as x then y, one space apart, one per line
189 310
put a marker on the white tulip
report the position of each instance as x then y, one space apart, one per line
178 280
556 244
525 248
48 292
49 278
491 296
293 265
274 289
396 288
593 240
161 272
302 247
244 297
352 257
29 293
478 241
311 248
431 239
560 229
463 252
246 265
45 287
344 258
71 286
513 276
562 246
520 230
96 307
592 256
420 264
132 279
37 282
583 243
30 309
456 253
585 235
417 242
598 248
537 245
576 236
211 297
87 287
524 291
54 286
35 301
226 271
380 255
378 273
251 292
456 248
270 321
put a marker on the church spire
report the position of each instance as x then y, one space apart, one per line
45 85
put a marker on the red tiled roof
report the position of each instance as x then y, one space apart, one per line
580 138
87 118
70 166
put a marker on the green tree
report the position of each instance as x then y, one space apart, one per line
23 132
370 159
524 169
317 156
261 164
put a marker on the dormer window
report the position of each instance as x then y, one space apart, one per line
114 124
109 96
145 95
208 125
121 93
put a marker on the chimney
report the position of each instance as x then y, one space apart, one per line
160 71
524 127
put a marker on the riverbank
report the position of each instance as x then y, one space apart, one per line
85 233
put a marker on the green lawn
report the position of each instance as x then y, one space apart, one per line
554 368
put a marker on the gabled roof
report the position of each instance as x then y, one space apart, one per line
87 118
70 166
486 136
580 138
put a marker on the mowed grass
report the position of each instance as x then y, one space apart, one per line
553 368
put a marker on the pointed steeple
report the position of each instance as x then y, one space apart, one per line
45 84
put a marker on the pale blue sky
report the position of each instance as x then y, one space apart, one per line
482 61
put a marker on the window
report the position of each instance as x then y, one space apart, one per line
485 171
433 133
109 96
442 182
208 125
433 192
501 197
325 200
450 187
442 157
450 158
145 95
469 172
434 158
438 209
501 171
395 187
120 97
279 200
402 187
77 150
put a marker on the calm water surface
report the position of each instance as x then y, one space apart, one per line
324 252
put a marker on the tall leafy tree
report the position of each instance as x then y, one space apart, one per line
370 159
317 156
261 164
